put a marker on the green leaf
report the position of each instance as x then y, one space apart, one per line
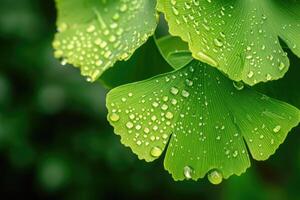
93 35
175 51
139 67
240 38
207 120
159 6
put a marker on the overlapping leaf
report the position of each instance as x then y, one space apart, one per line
93 35
207 120
238 37
175 51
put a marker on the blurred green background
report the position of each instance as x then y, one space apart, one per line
55 142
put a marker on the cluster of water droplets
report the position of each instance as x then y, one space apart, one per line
264 57
151 123
148 126
113 34
246 49
198 107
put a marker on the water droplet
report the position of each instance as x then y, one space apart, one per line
155 104
215 177
276 129
169 115
146 130
189 82
138 127
281 66
268 77
175 11
114 117
185 93
235 154
174 101
218 42
174 90
238 85
188 171
129 125
164 107
250 74
156 152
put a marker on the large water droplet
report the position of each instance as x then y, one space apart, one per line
156 152
129 125
169 115
188 171
276 129
218 42
114 117
238 85
215 176
174 90
185 93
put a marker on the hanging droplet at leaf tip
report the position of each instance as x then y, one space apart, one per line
215 177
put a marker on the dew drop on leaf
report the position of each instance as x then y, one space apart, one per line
281 66
277 129
169 115
185 93
188 171
174 90
238 85
156 152
250 74
215 177
218 42
114 117
129 125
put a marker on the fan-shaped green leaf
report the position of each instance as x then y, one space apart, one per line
238 37
208 120
93 35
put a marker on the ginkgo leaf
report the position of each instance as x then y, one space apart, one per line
208 121
240 38
93 35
